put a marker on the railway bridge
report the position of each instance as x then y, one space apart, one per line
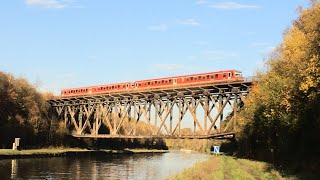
156 112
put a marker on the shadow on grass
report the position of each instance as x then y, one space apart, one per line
307 168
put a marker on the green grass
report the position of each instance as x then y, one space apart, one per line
227 167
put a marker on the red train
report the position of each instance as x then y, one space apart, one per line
218 76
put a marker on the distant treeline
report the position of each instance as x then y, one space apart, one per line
281 117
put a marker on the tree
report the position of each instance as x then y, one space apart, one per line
281 118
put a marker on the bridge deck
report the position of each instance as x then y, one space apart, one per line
228 135
187 90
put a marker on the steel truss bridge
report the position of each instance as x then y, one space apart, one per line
156 112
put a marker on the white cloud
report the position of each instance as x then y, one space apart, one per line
53 4
219 55
201 2
232 6
46 3
159 27
189 22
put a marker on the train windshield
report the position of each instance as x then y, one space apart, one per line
238 74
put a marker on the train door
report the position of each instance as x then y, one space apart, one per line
127 86
229 75
89 90
174 80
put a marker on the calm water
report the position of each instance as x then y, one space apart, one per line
136 166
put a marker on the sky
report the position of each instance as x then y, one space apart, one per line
58 44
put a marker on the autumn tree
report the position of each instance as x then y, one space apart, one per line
281 117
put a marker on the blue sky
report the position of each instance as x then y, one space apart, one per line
57 44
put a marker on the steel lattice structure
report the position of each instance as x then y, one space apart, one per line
117 115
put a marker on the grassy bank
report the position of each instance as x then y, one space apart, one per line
227 167
47 152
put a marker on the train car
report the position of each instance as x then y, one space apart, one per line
218 76
97 89
227 75
111 87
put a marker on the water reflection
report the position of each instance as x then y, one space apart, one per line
137 166
14 169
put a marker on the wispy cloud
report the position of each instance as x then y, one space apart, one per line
219 55
53 4
159 27
189 22
46 3
229 5
232 6
201 2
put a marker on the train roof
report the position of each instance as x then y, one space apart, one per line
170 77
95 86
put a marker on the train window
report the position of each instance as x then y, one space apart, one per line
224 75
187 79
216 76
199 77
155 82
229 74
195 78
112 87
208 76
191 78
203 77
170 80
148 83
162 81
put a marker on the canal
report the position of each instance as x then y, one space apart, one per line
113 166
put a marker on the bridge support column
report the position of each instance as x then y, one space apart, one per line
162 112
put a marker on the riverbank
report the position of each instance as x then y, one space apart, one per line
51 152
228 167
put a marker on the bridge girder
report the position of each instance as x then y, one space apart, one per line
163 110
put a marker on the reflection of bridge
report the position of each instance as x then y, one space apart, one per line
163 111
